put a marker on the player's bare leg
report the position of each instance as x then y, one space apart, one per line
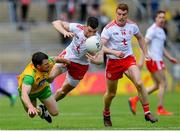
61 93
134 100
50 104
108 96
54 73
159 76
133 74
159 83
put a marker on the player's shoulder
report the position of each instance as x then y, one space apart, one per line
152 28
78 26
110 24
131 22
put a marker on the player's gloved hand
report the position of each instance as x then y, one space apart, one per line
68 34
173 60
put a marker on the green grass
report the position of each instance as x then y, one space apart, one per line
85 112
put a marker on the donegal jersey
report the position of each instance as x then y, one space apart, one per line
119 38
39 78
77 50
157 38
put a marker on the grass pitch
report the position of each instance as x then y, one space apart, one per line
85 112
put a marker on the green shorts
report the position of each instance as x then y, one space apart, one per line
44 94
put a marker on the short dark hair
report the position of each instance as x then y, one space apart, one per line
159 12
123 7
38 58
92 22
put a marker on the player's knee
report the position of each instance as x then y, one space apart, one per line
54 113
60 95
112 95
156 85
162 84
139 84
63 93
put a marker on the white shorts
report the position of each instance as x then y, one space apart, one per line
73 82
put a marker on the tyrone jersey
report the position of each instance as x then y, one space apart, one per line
119 38
76 51
157 38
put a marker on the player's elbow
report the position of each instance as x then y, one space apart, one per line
56 22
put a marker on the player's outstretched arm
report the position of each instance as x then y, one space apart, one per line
55 71
59 59
63 28
32 111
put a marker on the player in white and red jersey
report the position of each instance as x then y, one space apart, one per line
76 53
116 37
155 38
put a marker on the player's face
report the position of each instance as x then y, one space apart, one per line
89 31
44 67
121 17
160 19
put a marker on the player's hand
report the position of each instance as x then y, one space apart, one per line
92 59
66 62
119 54
61 59
173 60
68 34
32 111
147 58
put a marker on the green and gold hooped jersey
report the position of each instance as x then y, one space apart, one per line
40 78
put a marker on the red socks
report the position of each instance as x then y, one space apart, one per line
106 112
160 107
146 108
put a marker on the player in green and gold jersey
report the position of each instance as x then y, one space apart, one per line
33 85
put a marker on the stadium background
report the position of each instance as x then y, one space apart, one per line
17 46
